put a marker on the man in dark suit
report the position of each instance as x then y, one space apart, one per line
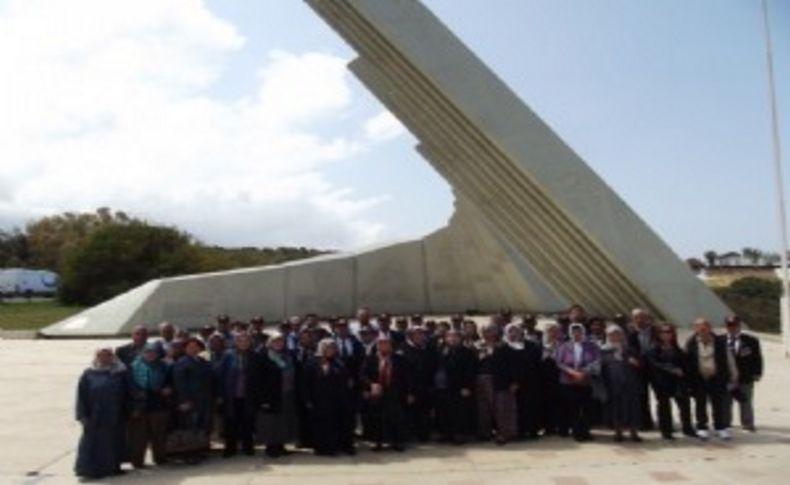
351 353
749 362
711 375
641 338
127 353
386 386
422 366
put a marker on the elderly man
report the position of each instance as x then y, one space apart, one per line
749 362
641 338
129 352
712 374
387 388
167 333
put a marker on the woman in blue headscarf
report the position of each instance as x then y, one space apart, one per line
101 408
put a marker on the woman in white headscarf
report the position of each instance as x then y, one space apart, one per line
101 403
620 371
518 373
327 392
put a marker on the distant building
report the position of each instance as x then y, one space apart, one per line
27 282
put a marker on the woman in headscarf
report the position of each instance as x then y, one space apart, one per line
194 385
327 393
579 362
519 375
278 423
101 409
485 390
620 371
455 382
553 403
151 392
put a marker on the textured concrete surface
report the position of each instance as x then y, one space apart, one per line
38 436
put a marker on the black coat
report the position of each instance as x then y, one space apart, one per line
720 352
663 363
400 382
522 367
128 353
351 361
271 394
459 366
228 375
422 367
749 359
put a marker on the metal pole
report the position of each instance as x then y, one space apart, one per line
779 179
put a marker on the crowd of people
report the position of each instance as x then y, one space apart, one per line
328 384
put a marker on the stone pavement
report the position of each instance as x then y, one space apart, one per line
38 437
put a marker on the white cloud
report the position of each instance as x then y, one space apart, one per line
105 103
384 126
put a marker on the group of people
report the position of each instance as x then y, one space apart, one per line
326 384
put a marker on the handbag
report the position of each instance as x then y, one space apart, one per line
189 438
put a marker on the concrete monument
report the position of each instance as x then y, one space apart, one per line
534 227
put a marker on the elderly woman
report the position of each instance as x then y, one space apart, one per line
485 391
578 360
278 423
194 384
518 374
553 402
151 392
101 405
620 371
327 393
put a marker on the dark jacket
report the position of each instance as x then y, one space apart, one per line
459 367
229 372
663 364
422 367
400 382
271 394
128 352
720 350
748 359
520 367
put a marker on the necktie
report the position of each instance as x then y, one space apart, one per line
386 373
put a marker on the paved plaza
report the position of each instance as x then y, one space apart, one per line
38 437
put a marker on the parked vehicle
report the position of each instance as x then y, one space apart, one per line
20 282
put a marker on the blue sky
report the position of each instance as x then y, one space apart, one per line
666 100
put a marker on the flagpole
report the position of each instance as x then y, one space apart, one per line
779 180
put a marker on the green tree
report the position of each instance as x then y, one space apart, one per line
711 257
14 249
754 255
119 256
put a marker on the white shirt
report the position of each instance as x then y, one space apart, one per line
577 354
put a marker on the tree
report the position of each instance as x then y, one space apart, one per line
14 249
50 237
711 257
754 255
771 259
695 264
119 256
